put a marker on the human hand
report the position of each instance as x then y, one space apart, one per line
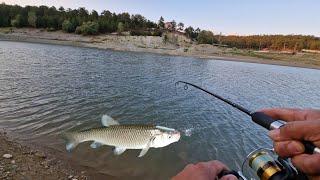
203 171
302 125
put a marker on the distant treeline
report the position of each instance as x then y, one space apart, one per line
82 21
274 42
71 20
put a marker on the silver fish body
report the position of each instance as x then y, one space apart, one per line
124 137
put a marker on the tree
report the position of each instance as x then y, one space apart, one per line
206 37
32 19
161 23
174 25
4 15
106 14
94 15
138 21
52 22
61 9
180 26
191 33
120 27
106 26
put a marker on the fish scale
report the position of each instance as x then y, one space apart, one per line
128 136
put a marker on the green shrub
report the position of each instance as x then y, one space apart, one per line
206 37
17 21
67 26
32 19
88 28
120 27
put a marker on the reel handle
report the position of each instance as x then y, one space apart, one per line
270 124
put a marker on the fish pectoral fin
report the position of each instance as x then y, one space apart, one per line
118 150
108 121
95 145
144 151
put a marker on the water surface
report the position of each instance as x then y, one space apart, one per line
46 90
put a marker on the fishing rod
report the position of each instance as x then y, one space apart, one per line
262 155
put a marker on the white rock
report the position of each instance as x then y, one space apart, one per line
7 156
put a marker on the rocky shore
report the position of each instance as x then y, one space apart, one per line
21 162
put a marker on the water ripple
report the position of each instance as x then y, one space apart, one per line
47 90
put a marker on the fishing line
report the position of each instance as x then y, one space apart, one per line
257 117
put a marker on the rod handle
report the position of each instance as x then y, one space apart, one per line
262 119
270 124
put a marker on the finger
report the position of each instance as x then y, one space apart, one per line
229 177
299 130
314 177
184 172
288 114
213 167
308 164
288 148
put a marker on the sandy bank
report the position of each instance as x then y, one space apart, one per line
177 45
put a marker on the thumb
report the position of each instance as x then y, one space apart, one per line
297 130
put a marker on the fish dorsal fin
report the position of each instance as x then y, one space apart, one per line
108 121
164 128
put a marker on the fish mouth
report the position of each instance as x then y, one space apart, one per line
176 134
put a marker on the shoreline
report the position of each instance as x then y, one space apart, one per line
19 161
140 44
22 160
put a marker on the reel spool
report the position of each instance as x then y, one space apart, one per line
268 166
265 166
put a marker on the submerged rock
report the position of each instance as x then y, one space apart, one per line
7 156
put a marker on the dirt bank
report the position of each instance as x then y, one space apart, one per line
176 45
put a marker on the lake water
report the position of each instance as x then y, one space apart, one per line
46 90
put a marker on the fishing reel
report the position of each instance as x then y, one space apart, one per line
264 164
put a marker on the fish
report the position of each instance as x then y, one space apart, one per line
123 137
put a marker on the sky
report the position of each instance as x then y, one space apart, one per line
239 17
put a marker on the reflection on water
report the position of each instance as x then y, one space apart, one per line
46 90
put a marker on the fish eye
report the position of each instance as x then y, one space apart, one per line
169 136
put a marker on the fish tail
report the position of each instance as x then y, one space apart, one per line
71 141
